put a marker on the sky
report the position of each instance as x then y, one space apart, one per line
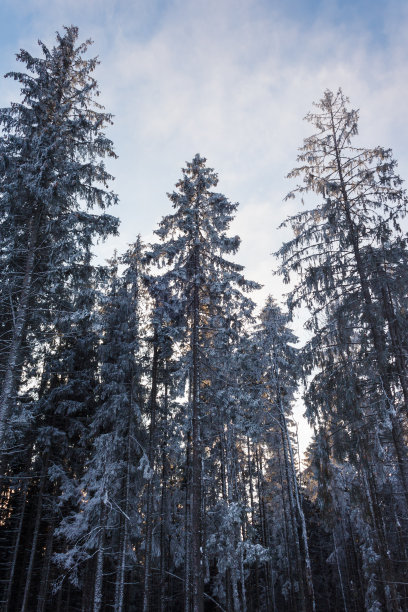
231 80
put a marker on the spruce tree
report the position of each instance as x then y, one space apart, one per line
344 268
51 152
198 280
279 364
105 520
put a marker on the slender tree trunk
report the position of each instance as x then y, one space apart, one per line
386 573
348 577
288 555
97 599
251 499
197 586
339 572
251 485
357 566
163 535
262 517
59 598
119 561
120 580
290 466
87 587
36 532
187 529
233 498
225 491
242 579
120 591
164 526
149 503
68 599
308 567
18 331
293 520
42 596
234 583
16 548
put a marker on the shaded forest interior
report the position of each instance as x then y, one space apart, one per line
149 459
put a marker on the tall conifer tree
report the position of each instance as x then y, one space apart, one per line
197 278
345 267
51 153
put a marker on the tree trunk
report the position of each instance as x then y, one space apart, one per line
42 596
187 530
287 555
16 548
149 501
97 600
196 527
18 331
242 579
120 578
233 498
262 517
35 536
294 487
343 595
386 582
308 567
164 526
120 575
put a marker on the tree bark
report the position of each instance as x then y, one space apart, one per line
149 501
120 578
197 577
18 331
97 599
164 525
35 536
294 488
187 530
42 595
16 549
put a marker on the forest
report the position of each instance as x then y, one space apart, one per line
149 459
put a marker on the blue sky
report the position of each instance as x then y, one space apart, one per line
232 80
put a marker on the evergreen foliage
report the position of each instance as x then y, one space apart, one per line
149 458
